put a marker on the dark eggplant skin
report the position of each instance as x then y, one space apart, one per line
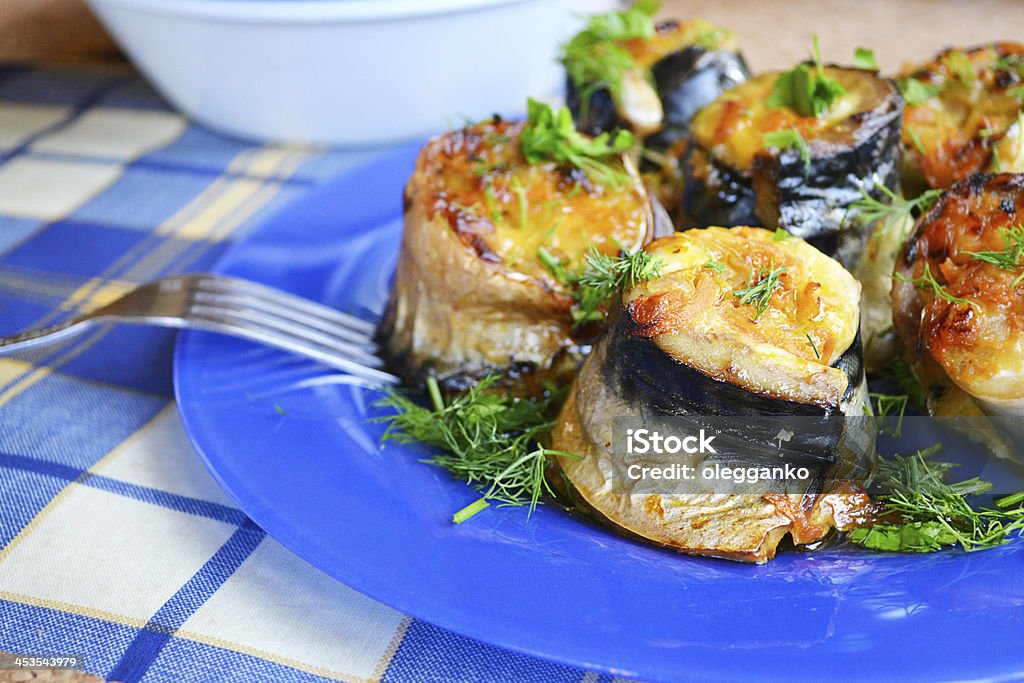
629 376
780 191
685 80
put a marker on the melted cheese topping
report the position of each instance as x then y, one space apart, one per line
507 209
980 344
953 134
692 313
733 127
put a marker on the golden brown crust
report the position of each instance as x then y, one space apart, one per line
470 295
966 127
975 334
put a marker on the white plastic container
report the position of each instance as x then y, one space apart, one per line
341 72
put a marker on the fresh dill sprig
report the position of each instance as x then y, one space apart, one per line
760 287
928 281
551 135
593 59
928 513
806 90
712 264
868 209
601 276
864 58
1011 256
790 138
486 438
887 405
814 347
915 140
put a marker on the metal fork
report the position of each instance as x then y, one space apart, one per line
236 307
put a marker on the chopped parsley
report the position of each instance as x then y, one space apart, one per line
594 60
790 139
863 58
805 88
917 92
551 135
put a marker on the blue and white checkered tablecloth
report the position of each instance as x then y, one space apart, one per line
115 543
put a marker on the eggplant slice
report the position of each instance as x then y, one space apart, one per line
963 115
959 313
733 178
680 69
470 296
683 344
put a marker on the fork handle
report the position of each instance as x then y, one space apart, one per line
44 336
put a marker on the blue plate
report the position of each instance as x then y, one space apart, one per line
553 586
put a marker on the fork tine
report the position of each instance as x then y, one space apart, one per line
328 355
230 285
271 323
248 302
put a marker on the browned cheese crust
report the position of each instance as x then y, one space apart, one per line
470 295
973 330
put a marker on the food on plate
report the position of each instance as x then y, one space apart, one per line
958 298
963 115
739 322
794 150
627 70
472 294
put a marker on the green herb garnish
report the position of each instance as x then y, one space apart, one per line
814 347
931 513
917 92
1011 257
602 276
593 59
915 140
959 65
790 138
760 287
712 264
887 405
551 135
781 234
806 90
488 439
928 281
863 58
870 209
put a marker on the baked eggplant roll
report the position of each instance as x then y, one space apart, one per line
694 341
625 70
756 161
958 297
963 115
470 295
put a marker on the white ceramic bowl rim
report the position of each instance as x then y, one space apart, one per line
296 11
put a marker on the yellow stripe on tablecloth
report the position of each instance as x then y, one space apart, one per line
272 657
96 293
389 653
72 608
210 212
139 433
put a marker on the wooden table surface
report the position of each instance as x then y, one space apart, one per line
772 34
775 34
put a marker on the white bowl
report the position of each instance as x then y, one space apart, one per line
341 72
